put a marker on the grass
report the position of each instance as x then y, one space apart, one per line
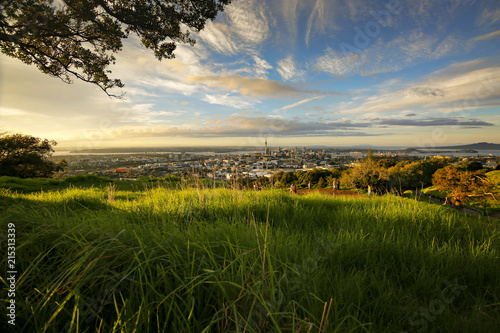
222 260
494 176
432 190
89 181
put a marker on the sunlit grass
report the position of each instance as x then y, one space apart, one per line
222 260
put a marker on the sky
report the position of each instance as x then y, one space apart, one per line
297 72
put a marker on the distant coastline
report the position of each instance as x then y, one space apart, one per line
166 150
474 146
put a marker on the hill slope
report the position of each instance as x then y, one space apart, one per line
201 260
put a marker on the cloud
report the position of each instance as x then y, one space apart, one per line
231 101
261 66
491 35
289 12
249 21
145 113
240 126
287 68
435 122
218 37
40 105
307 100
488 17
241 28
145 76
318 17
247 86
461 86
411 48
426 91
468 105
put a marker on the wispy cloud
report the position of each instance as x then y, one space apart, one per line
145 114
317 18
411 48
289 13
247 86
218 37
435 122
290 106
231 101
491 35
261 66
248 19
239 126
288 69
488 17
458 87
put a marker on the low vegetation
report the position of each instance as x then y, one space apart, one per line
163 259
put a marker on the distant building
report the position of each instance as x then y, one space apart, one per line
356 154
309 166
123 169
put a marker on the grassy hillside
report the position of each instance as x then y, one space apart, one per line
198 260
494 176
21 185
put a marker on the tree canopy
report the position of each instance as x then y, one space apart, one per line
25 156
463 186
77 38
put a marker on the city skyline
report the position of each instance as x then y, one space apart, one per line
315 73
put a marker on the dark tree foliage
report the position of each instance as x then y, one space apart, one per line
474 166
25 156
77 38
407 175
321 183
315 175
386 163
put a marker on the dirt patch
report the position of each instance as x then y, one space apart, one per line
329 192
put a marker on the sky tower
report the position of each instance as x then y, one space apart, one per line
266 150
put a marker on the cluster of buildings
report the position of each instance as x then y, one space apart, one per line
210 165
219 166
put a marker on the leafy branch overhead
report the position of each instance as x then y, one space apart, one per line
78 38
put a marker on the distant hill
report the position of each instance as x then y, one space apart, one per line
476 146
215 149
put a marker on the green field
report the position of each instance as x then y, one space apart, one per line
101 259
